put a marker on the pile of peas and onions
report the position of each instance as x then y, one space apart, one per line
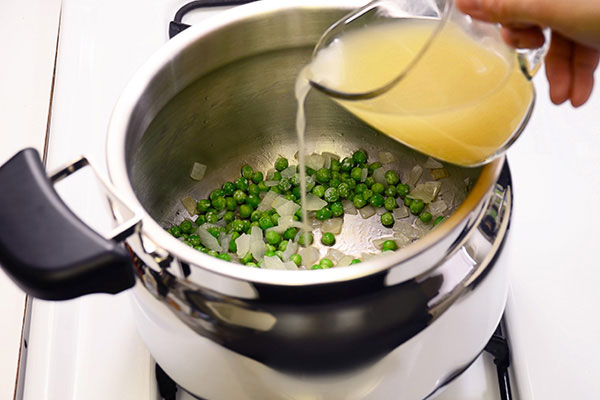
236 203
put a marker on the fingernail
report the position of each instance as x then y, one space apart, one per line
469 6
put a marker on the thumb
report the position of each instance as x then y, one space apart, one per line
507 12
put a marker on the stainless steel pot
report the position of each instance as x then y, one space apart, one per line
404 323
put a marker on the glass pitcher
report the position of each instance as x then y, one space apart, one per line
429 76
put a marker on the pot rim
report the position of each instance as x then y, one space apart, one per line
150 229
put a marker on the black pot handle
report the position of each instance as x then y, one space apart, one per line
47 250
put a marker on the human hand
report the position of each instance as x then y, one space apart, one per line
575 46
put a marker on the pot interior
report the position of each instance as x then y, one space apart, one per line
240 109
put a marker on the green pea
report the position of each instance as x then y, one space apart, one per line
389 245
323 175
355 261
360 188
331 195
297 259
402 189
229 216
376 200
309 171
282 245
319 191
328 239
241 183
337 209
275 189
237 225
247 258
224 256
417 206
214 231
290 233
255 216
317 267
251 264
277 176
284 185
373 167
254 223
203 205
212 253
253 201
270 253
344 190
186 226
407 201
232 245
387 219
230 203
216 193
228 188
335 165
369 182
265 222
326 263
323 214
253 189
305 239
245 211
360 156
356 173
347 164
175 231
257 177
390 203
359 201
391 177
349 181
391 191
262 187
281 164
273 238
438 220
201 220
335 182
279 254
367 194
275 218
247 171
219 203
239 196
425 217
270 247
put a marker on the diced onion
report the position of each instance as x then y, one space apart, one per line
209 240
379 176
333 225
198 171
271 183
407 230
290 266
224 239
310 255
258 249
315 161
367 211
243 245
345 261
427 191
364 174
386 157
432 163
189 204
314 203
288 172
414 175
381 210
334 255
289 251
439 173
400 212
438 207
267 201
287 208
273 263
349 207
401 240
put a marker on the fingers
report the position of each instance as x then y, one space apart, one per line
583 64
558 68
505 11
530 37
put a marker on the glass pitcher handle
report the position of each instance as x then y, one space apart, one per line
530 60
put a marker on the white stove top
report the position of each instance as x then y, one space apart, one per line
89 348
